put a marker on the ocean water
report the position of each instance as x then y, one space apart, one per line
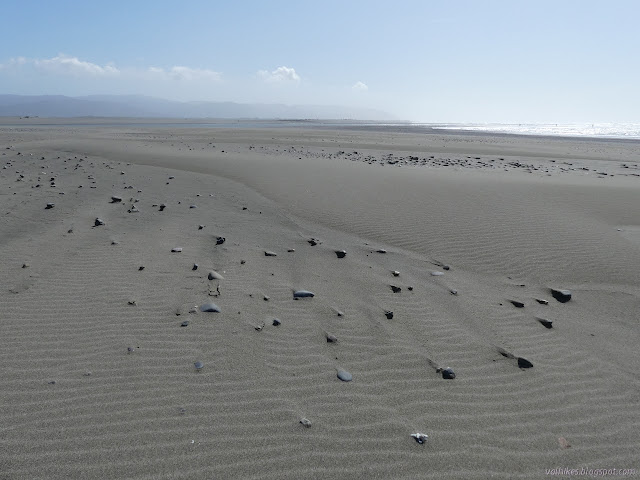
596 130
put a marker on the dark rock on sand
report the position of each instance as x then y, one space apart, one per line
344 376
162 207
193 206
313 242
303 294
546 323
185 323
140 268
517 304
269 253
49 206
195 266
209 307
388 314
176 249
395 273
542 301
524 363
341 253
563 296
381 250
331 338
98 222
276 322
199 366
200 227
220 240
448 373
115 199
395 289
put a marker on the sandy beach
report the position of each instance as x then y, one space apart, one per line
426 254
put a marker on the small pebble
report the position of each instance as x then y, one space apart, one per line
448 373
420 437
306 422
395 289
185 323
331 338
381 250
268 253
276 322
291 250
436 273
195 266
542 301
129 350
98 222
517 304
176 249
546 323
193 206
220 240
49 206
388 314
140 268
344 376
115 199
209 307
303 294
200 227
199 366
341 253
213 275
395 273
162 207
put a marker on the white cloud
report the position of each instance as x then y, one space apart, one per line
72 65
279 75
185 73
360 87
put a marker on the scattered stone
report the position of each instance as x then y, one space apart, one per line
195 266
185 323
524 363
448 373
313 242
395 289
331 338
341 253
199 365
303 294
131 302
25 265
545 323
453 292
200 227
541 301
115 199
49 206
162 207
437 273
133 209
410 289
388 314
140 268
306 422
381 250
220 240
563 296
269 253
209 307
420 437
395 273
176 249
98 222
52 382
517 304
193 206
266 298
291 250
344 376
213 275
129 350
259 327
171 177
242 262
276 322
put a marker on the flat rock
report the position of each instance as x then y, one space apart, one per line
331 338
193 206
115 199
209 307
213 275
185 323
436 273
381 250
269 253
517 304
542 301
306 422
98 221
303 294
176 249
344 376
49 206
563 296
341 253
395 289
276 322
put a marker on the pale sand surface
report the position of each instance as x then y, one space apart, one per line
544 216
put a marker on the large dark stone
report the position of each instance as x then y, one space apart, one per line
524 363
563 296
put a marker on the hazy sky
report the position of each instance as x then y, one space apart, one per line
434 61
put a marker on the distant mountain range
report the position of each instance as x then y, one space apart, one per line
150 107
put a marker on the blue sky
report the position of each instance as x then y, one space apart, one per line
433 61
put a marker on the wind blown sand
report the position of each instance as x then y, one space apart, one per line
119 244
